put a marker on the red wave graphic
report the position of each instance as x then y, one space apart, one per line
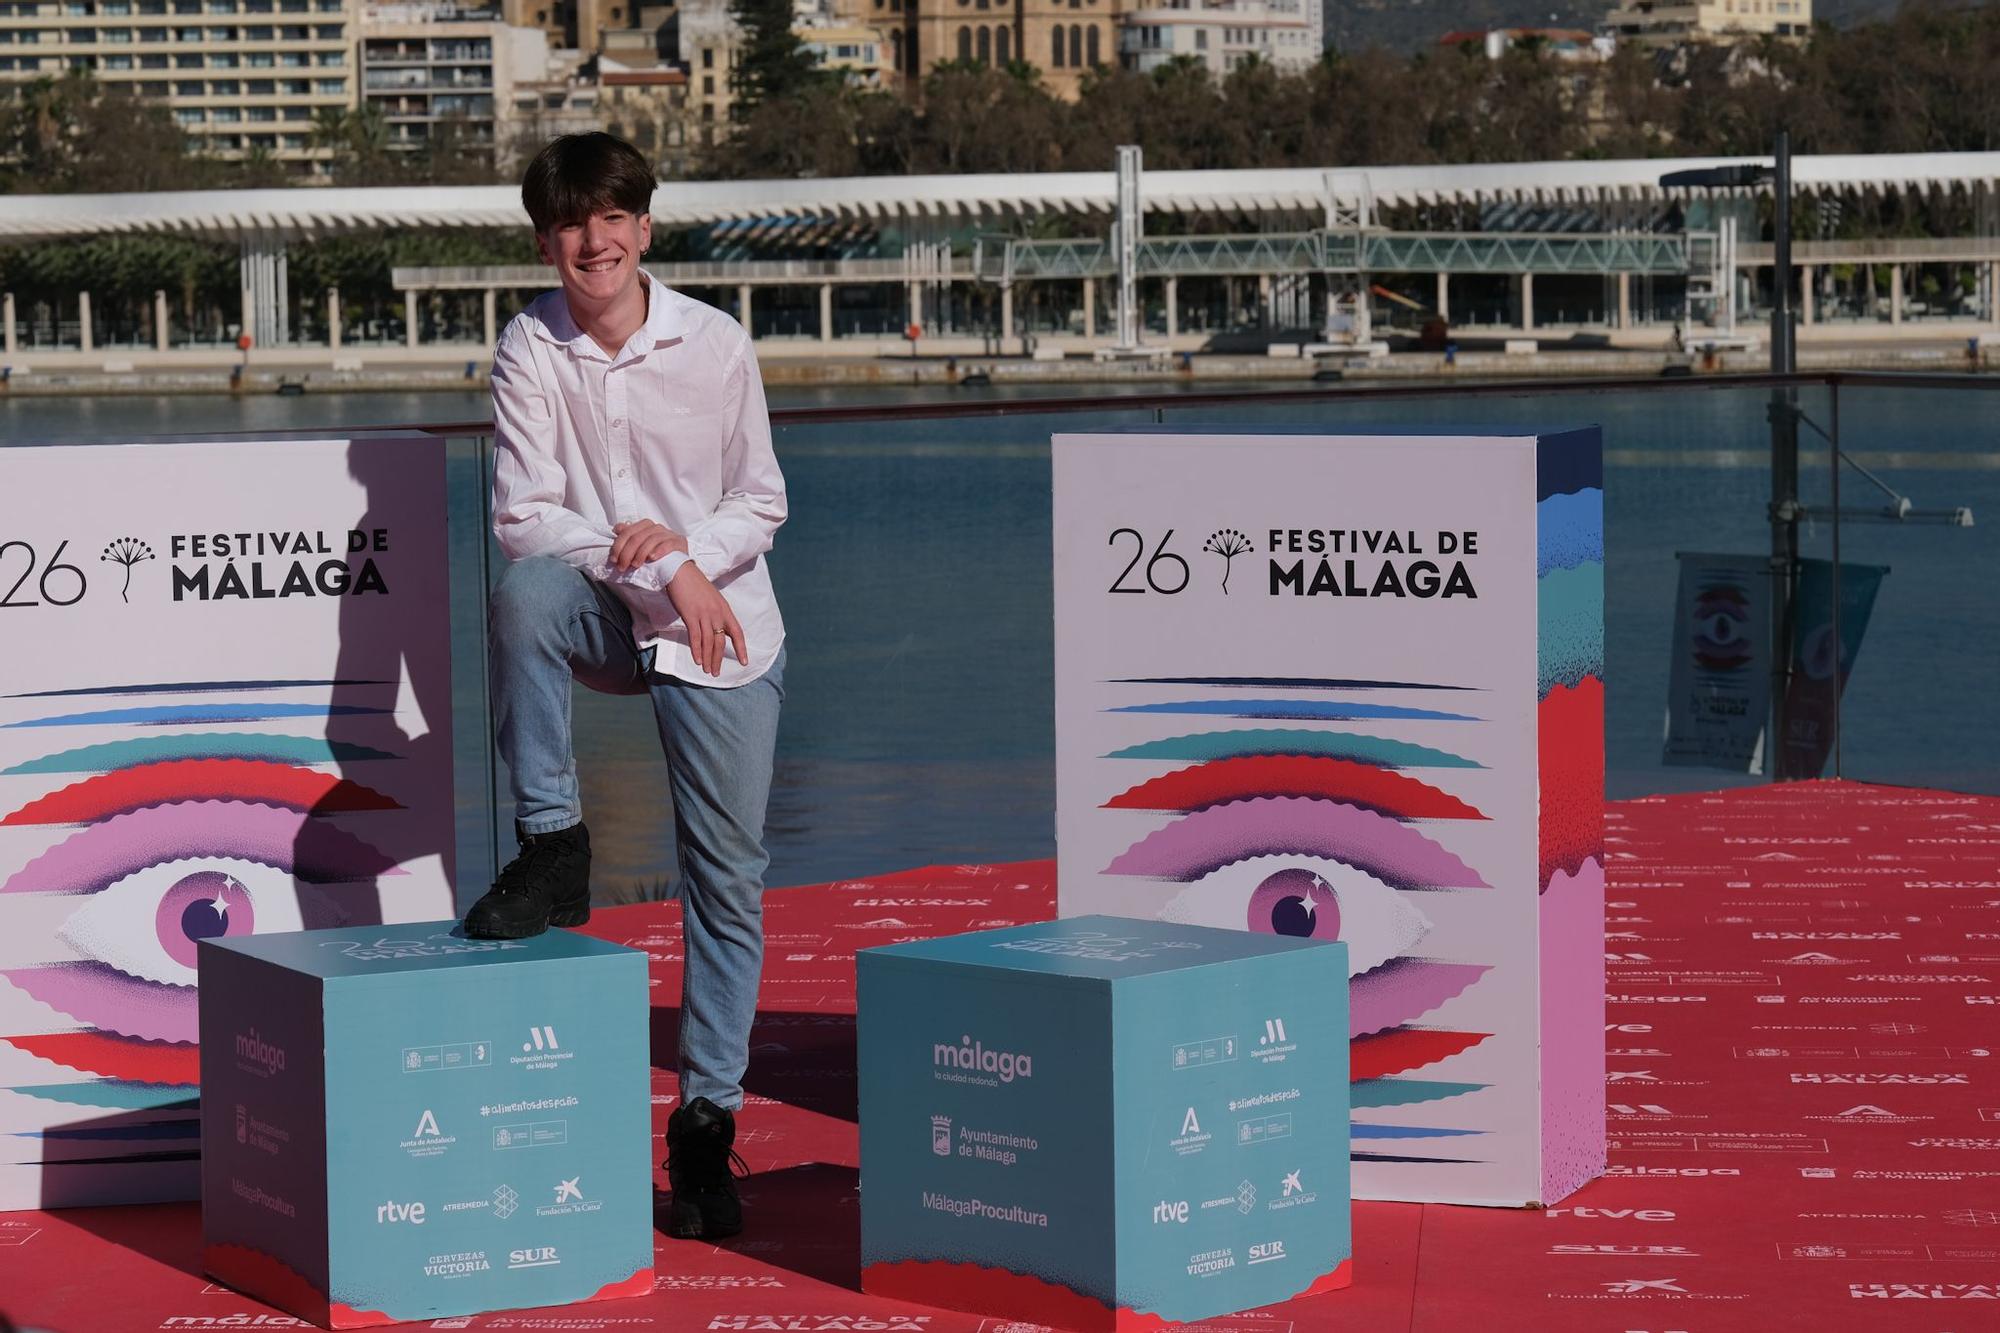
1402 1049
1379 789
1570 735
999 1293
639 1284
126 789
111 1056
271 1280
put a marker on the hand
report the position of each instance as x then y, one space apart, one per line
641 543
708 617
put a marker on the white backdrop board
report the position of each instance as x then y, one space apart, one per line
1350 687
224 708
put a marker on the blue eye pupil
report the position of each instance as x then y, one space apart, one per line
200 921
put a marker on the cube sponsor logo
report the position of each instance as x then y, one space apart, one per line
1967 1145
1266 1252
569 1200
1264 1129
260 1135
542 1256
1192 1138
428 1140
262 1198
989 1212
1644 1286
1208 1263
1273 1045
258 1057
532 1133
542 1050
1092 944
461 1264
971 1062
389 1213
447 1056
1207 1051
1292 1192
434 946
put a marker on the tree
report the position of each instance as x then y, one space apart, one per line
771 63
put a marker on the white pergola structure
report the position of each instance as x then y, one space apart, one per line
263 221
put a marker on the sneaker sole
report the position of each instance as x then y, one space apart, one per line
490 931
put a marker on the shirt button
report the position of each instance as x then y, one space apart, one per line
621 472
617 422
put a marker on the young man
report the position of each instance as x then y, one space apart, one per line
635 492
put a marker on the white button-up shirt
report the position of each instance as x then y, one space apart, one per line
673 428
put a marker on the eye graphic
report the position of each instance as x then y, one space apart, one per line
1393 853
147 923
1309 898
129 789
1721 628
1405 989
182 715
109 755
1318 710
1382 790
1264 741
159 878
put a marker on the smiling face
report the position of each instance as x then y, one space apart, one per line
597 258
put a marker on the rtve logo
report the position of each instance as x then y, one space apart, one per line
1176 1211
392 1211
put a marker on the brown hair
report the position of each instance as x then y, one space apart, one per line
576 175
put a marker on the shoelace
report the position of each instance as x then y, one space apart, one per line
704 1170
516 878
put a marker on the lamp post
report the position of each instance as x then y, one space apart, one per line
1784 508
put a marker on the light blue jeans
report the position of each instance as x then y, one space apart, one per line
550 625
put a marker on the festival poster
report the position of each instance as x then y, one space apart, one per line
224 709
1351 687
1719 681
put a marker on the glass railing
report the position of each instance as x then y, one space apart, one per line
916 584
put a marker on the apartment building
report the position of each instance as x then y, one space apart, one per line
240 76
1222 34
423 65
1658 23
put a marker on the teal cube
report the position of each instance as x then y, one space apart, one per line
400 1123
1099 1123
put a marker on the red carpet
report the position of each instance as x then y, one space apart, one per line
1805 1057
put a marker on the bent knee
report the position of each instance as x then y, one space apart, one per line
535 593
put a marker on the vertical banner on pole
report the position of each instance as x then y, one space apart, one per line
1719 682
224 709
1351 687
1820 672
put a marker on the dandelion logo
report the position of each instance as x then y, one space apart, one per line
1227 543
127 551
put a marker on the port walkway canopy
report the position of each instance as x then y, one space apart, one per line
1342 193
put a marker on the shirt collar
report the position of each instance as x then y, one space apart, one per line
664 323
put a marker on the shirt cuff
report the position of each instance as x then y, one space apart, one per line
661 572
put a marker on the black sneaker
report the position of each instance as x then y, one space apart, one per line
700 1156
548 884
